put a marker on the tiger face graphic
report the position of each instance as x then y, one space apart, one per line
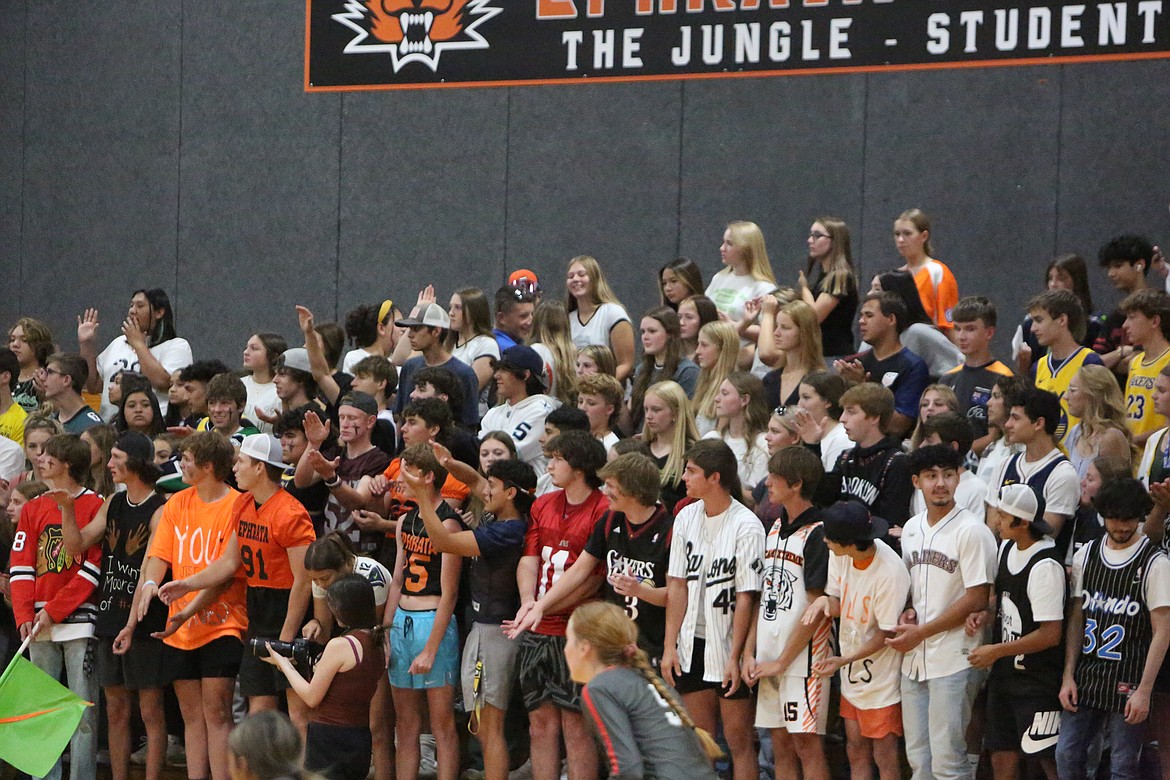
416 30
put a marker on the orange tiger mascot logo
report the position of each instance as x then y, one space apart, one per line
416 30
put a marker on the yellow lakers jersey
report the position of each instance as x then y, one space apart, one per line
1139 393
1055 378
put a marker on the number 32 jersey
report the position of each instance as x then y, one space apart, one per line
557 533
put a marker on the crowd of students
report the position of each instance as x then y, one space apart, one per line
496 511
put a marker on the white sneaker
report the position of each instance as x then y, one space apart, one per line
138 757
176 755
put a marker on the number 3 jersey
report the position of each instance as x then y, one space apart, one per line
557 533
640 551
1118 589
796 560
265 534
719 557
872 600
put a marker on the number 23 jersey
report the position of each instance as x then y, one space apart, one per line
557 533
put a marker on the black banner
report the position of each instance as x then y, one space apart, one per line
395 44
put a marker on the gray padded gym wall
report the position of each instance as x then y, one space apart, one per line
171 143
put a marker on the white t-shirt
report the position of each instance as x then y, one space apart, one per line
377 574
597 330
173 354
835 442
872 600
718 560
705 424
1156 591
994 456
524 422
956 553
478 347
1062 489
970 494
730 292
753 465
355 356
608 440
11 459
471 351
260 396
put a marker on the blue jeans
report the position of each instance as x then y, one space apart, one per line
935 714
1077 730
50 656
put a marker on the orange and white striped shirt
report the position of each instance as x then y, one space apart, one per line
939 292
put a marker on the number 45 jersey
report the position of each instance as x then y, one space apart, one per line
796 560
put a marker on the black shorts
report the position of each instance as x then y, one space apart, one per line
338 752
544 673
260 678
693 682
149 663
1028 723
218 658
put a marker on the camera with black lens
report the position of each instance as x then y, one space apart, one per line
303 653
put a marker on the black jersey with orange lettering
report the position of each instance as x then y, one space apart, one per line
422 565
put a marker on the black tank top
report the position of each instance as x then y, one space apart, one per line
124 549
1035 672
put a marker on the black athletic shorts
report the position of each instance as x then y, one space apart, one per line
149 663
1025 722
338 752
260 678
693 682
218 658
544 673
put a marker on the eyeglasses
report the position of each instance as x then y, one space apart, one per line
47 371
814 236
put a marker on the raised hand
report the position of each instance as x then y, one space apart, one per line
326 468
61 498
315 430
305 318
270 417
87 325
134 336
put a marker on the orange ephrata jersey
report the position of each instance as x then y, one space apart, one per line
266 533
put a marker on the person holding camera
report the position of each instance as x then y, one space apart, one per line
328 559
273 532
338 742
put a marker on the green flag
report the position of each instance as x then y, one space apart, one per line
38 716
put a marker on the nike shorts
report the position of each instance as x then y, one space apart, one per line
1024 722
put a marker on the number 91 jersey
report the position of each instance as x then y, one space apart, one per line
557 533
265 533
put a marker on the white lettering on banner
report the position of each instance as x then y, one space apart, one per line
747 36
1036 28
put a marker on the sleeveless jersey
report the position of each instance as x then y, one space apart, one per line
1117 627
1040 672
1055 379
127 534
1139 394
642 551
1011 473
784 596
422 564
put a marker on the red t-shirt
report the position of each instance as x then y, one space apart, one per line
557 533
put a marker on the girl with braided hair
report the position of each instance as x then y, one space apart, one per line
642 728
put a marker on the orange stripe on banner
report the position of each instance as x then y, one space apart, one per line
18 718
922 66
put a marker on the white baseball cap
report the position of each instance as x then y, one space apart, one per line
263 447
1020 500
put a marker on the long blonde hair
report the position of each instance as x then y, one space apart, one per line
685 432
599 289
755 414
749 239
724 337
1104 405
917 217
949 398
812 354
550 327
614 637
